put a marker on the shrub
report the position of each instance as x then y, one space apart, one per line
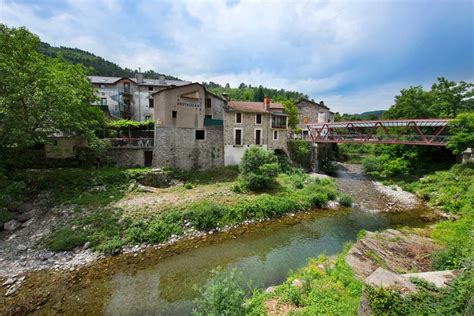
258 168
110 246
396 167
318 200
204 216
64 239
345 200
327 166
299 150
188 186
373 164
222 295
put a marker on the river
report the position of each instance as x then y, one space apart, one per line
157 282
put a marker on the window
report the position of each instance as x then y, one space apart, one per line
147 117
102 86
209 117
238 117
208 102
238 136
174 114
258 137
103 101
126 87
200 134
278 121
151 103
258 118
275 135
306 120
150 88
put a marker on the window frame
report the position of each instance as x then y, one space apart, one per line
256 120
102 101
174 114
241 136
208 103
275 132
151 103
148 117
255 136
241 117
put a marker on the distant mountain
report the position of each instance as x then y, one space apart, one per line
99 66
377 113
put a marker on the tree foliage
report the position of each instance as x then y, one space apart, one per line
445 99
98 66
40 96
291 109
463 132
248 93
259 168
222 295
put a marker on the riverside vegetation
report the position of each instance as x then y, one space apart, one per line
97 219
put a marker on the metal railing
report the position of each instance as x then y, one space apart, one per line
132 142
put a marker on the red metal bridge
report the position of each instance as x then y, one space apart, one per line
427 132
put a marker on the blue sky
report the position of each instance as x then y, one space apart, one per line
354 55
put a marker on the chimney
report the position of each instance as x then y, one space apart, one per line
266 102
161 79
321 102
139 77
226 97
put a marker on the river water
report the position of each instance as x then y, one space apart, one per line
155 284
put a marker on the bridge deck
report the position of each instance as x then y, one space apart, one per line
406 131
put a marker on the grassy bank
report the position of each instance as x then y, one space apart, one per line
110 210
332 288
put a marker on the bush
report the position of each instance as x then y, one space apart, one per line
64 239
299 150
327 166
373 164
222 295
396 167
345 200
318 200
188 186
258 168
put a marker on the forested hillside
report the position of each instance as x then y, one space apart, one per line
249 93
99 66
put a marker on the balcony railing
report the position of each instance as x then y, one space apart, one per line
132 142
279 121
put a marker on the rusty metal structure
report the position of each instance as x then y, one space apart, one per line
427 132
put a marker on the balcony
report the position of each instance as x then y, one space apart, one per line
279 121
132 142
125 91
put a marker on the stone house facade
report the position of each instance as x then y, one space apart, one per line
188 128
130 98
312 112
253 123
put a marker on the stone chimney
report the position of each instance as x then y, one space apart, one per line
266 102
321 102
161 79
139 77
226 97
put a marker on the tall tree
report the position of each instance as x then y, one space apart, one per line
40 96
292 111
259 95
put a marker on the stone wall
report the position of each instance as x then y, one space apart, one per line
314 113
178 148
127 157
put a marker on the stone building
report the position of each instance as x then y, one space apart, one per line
312 112
130 98
188 128
253 123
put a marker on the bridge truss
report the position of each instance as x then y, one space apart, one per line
427 132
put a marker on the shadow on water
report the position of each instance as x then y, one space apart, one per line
150 284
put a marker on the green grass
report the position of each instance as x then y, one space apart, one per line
329 291
107 229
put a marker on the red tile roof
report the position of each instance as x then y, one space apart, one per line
255 107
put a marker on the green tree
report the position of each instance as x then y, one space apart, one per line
258 168
259 95
463 132
291 109
40 95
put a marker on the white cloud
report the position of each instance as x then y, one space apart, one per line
308 46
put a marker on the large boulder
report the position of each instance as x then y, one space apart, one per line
155 178
25 207
11 225
389 280
391 250
23 217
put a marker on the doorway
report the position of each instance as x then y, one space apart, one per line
148 158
